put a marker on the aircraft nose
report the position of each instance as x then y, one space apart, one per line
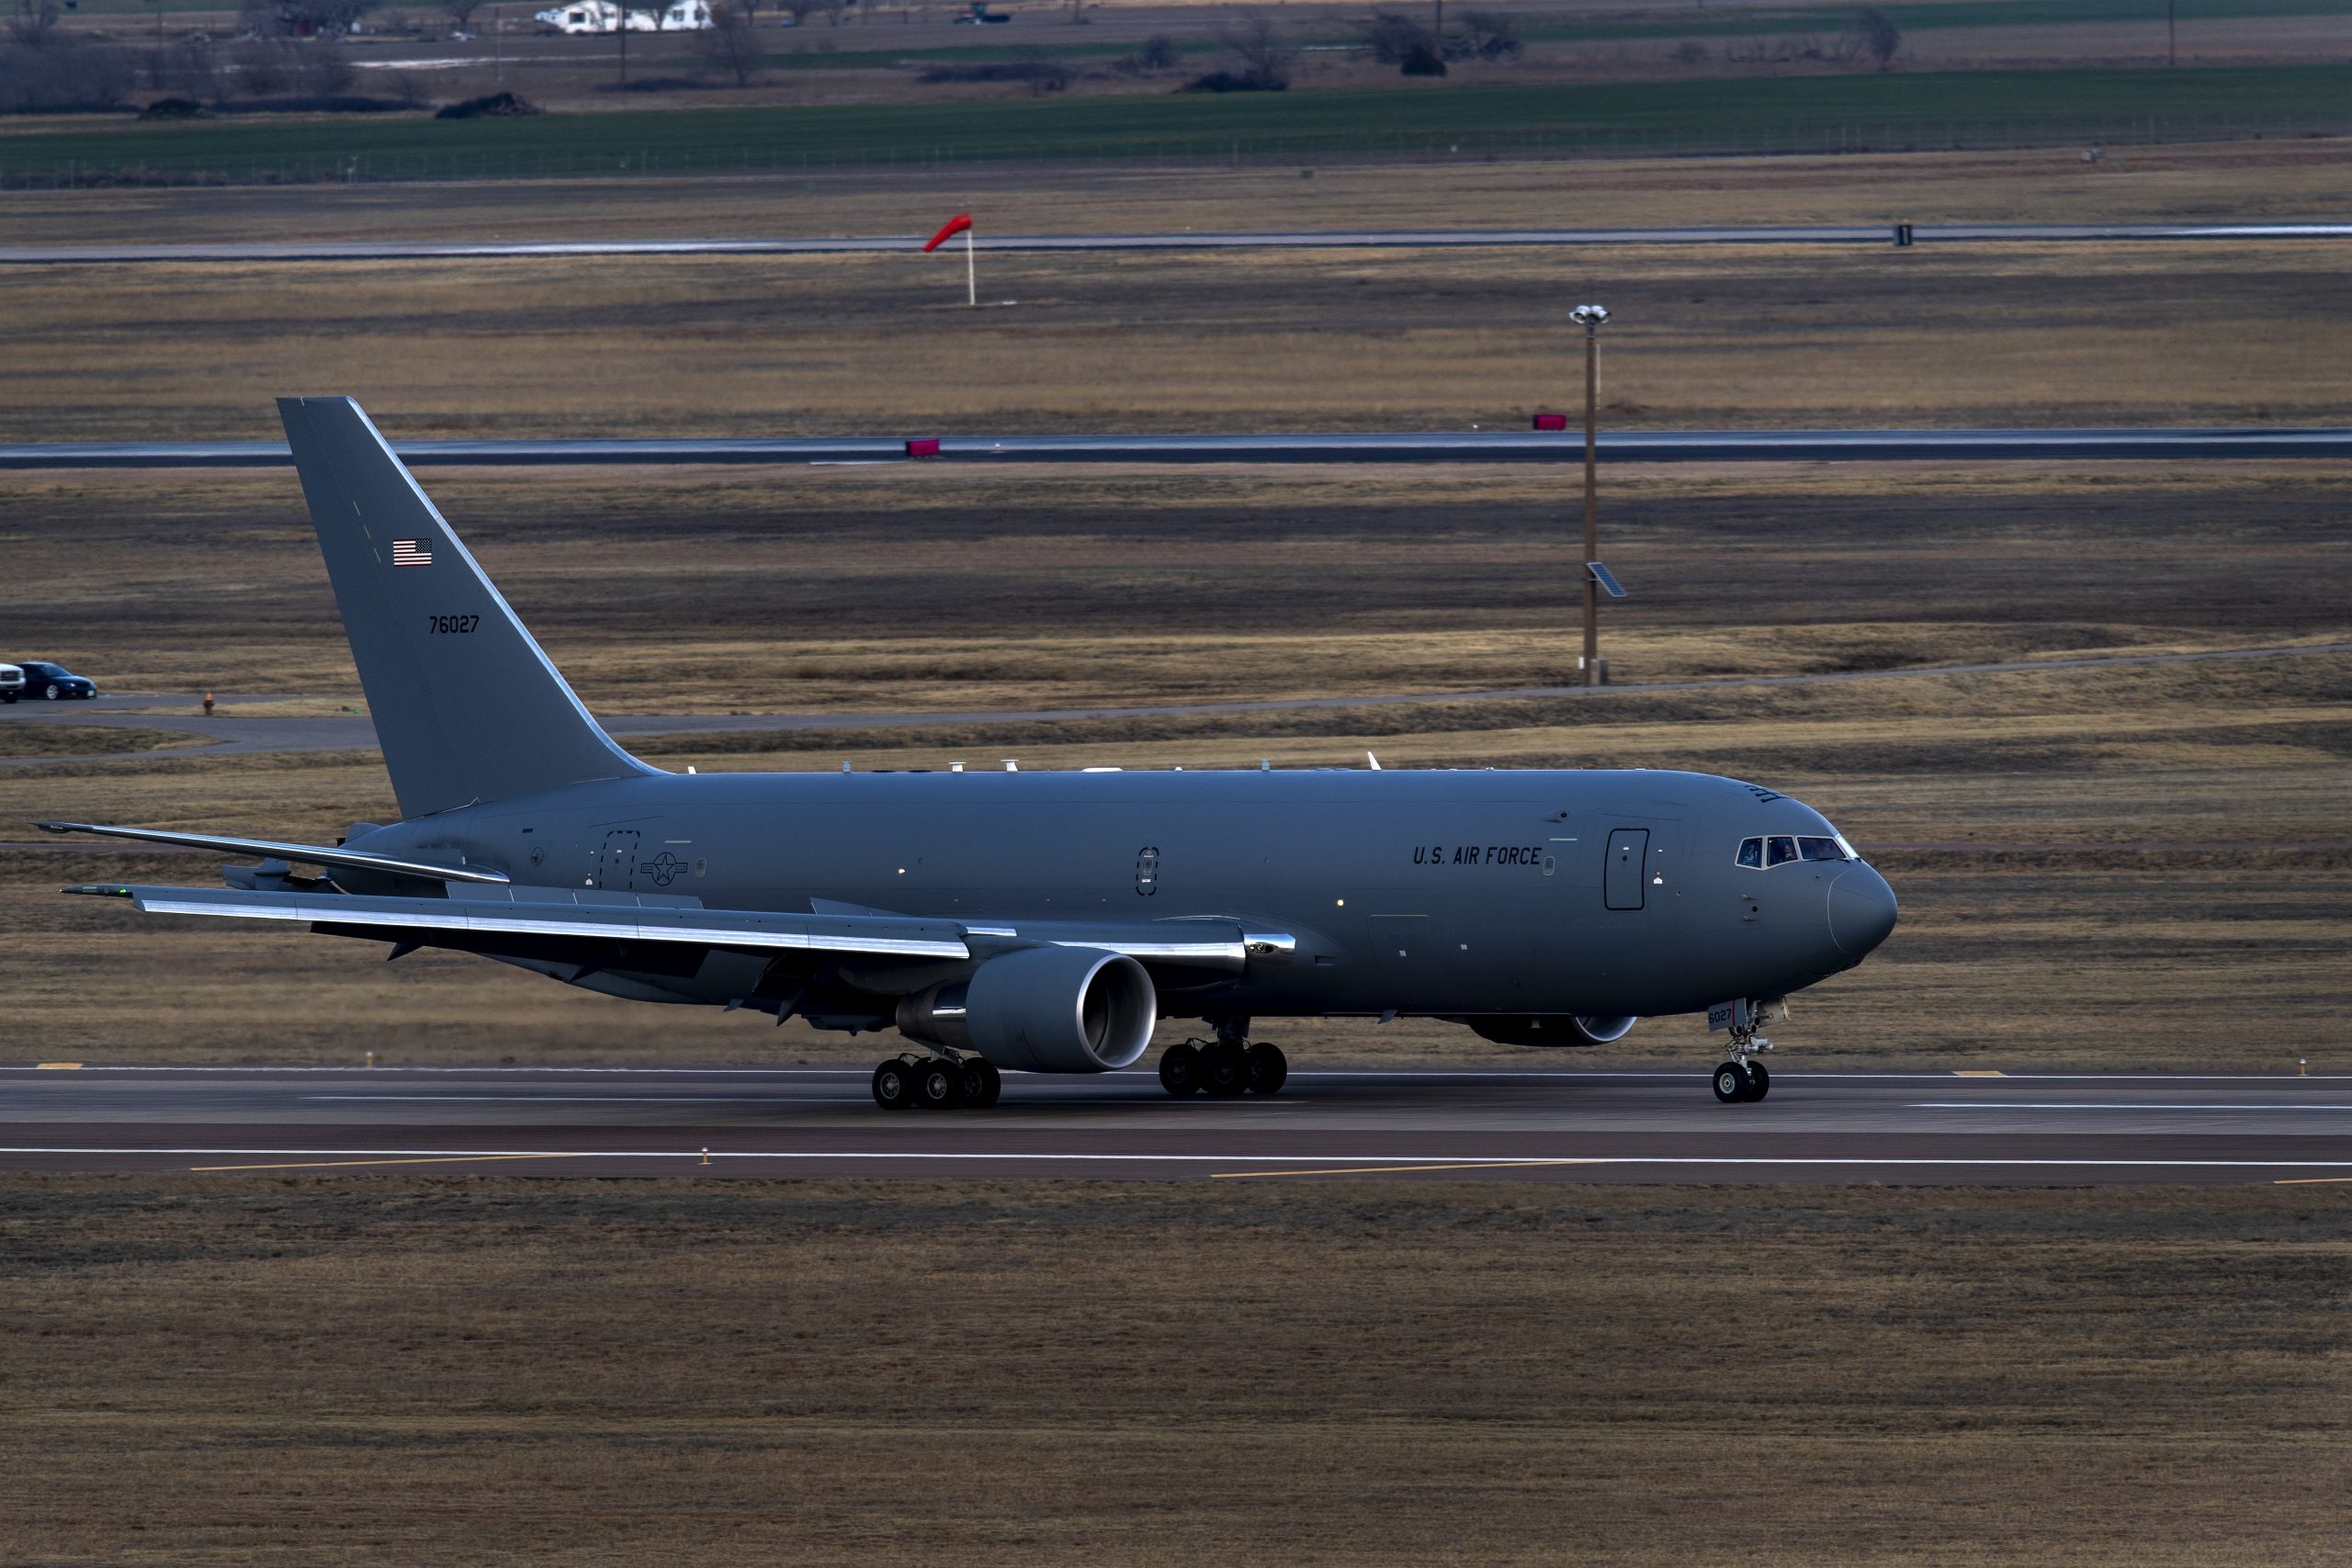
1861 911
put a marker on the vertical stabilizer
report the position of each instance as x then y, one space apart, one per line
465 706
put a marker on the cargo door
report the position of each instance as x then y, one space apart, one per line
617 865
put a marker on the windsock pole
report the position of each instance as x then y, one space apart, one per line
961 223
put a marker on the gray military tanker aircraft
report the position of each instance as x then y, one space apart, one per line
1044 922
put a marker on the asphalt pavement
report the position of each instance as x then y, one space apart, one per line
1540 1123
2077 445
251 252
232 733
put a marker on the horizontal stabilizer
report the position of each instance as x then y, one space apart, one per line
308 854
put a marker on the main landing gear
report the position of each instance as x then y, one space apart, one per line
1225 1068
1741 1080
915 1080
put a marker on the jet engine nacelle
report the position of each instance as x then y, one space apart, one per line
1550 1029
1042 1010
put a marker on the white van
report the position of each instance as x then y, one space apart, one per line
604 16
12 682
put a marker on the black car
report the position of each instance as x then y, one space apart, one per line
54 680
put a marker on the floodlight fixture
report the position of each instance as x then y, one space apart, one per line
1590 317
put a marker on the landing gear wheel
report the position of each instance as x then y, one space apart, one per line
939 1084
1763 1077
982 1084
1180 1070
894 1085
1225 1071
1734 1083
1266 1068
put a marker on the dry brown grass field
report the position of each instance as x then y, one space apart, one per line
2130 333
2125 867
2188 183
2075 849
298 1370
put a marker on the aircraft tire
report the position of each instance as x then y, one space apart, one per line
1225 1071
894 1085
1763 1077
939 1084
1267 1069
1180 1070
1733 1084
982 1084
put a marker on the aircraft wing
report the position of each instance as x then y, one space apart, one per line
308 854
479 918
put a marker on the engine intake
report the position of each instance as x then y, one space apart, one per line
1042 1010
1550 1029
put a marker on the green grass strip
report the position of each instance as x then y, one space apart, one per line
1776 113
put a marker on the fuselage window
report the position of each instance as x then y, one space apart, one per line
1779 851
1751 854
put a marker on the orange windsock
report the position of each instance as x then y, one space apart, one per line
954 226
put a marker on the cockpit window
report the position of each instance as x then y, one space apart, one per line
1759 852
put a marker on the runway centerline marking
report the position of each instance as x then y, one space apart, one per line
1392 1169
344 1163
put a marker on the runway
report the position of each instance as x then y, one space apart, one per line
282 253
230 733
2077 445
1539 1124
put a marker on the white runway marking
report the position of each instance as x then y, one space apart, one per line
2104 1105
1244 1158
1661 1075
589 1098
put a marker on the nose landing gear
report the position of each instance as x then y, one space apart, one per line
1742 1080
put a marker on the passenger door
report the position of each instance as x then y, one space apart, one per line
1624 879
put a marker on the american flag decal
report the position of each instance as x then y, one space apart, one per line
412 552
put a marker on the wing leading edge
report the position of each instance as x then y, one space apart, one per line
594 916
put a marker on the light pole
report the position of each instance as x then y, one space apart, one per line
1590 317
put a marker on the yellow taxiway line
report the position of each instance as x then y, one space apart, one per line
2308 1181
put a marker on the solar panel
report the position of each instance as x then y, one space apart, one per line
1607 579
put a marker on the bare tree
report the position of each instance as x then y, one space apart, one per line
731 43
1878 37
460 13
32 20
1263 52
300 18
